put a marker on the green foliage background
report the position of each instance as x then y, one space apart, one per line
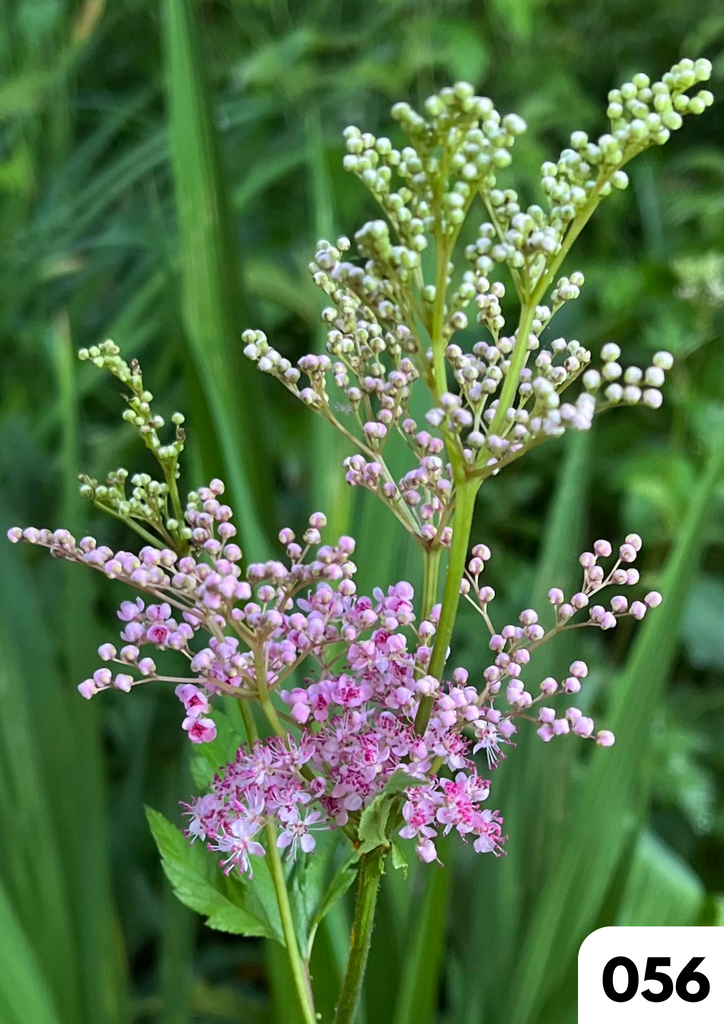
164 172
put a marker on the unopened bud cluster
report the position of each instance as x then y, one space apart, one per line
397 306
152 504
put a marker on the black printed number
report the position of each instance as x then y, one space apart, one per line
632 976
689 976
653 974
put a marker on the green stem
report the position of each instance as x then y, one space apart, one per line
439 375
466 491
299 970
527 312
170 474
370 871
262 690
432 574
276 871
143 533
517 361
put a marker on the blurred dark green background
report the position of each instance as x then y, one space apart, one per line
164 173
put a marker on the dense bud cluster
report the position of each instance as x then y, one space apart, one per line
151 505
395 310
642 115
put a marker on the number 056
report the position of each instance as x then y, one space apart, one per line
664 985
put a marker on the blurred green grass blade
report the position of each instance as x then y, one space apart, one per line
285 1004
329 961
530 785
31 862
177 947
209 283
24 995
101 966
617 781
330 492
179 924
661 889
419 984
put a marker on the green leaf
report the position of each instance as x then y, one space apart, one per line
399 860
24 994
318 881
417 997
227 903
375 818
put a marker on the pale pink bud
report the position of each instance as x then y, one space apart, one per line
638 609
426 851
583 727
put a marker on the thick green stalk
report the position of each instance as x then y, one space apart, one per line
430 582
466 491
276 871
370 871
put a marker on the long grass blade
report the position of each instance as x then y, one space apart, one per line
209 278
616 788
661 888
530 785
24 995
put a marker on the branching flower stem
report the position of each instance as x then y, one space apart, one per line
298 968
466 491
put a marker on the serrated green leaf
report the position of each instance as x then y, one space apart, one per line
227 903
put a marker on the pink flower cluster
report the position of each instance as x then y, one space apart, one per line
365 736
351 725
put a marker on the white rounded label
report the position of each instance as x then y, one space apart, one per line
652 976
